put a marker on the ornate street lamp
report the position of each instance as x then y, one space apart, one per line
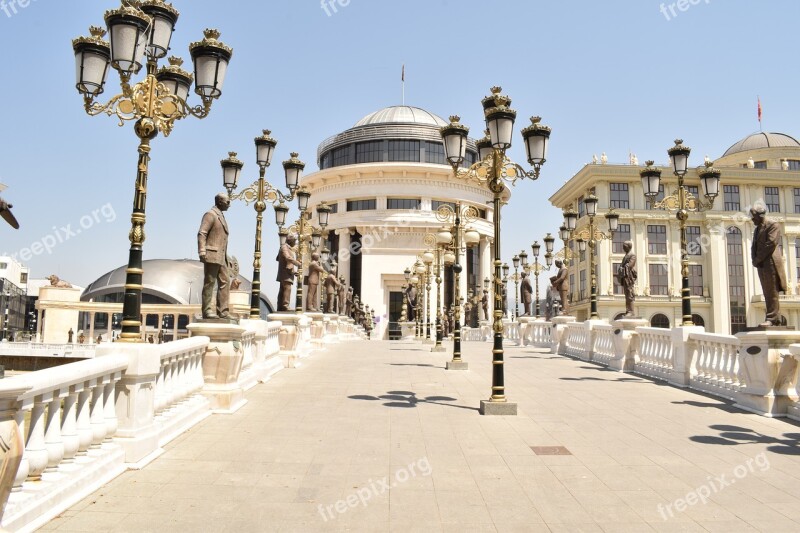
682 202
140 33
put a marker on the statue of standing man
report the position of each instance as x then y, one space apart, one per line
559 282
212 247
287 261
314 272
526 293
626 276
767 258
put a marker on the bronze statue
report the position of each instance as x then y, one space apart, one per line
768 260
287 260
342 295
626 276
70 333
559 282
485 304
526 293
411 303
349 302
55 281
331 289
212 247
312 280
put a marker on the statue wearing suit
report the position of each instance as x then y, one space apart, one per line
314 272
626 276
559 282
212 247
526 293
767 258
287 260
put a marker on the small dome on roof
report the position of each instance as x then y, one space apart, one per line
401 115
761 140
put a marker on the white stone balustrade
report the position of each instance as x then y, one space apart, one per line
655 353
604 350
793 410
714 364
541 335
577 341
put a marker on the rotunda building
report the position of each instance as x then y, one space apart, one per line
385 180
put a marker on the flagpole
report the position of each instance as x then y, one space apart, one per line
403 79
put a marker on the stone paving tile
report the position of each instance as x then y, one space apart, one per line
367 413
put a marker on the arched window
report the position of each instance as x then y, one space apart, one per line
659 321
698 320
736 292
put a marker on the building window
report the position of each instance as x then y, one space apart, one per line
617 287
470 159
693 241
325 161
797 256
436 204
694 190
583 285
772 199
571 287
369 152
23 278
582 253
434 153
659 320
760 164
658 197
696 279
698 320
794 164
342 156
581 208
659 279
361 205
622 234
482 213
619 196
403 203
731 197
334 207
404 151
797 200
656 240
736 292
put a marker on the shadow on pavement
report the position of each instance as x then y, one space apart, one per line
406 400
736 435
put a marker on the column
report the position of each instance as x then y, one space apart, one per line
344 257
791 265
91 327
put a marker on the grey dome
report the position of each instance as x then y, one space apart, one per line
761 140
401 115
176 281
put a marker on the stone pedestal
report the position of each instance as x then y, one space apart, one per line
457 365
318 326
57 322
626 343
770 379
239 303
331 328
559 327
222 364
292 337
407 332
682 352
793 411
490 408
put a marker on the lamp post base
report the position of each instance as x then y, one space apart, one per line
491 408
457 365
439 348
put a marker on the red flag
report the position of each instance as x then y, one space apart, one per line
759 110
403 75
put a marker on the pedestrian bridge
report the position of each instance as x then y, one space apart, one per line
617 429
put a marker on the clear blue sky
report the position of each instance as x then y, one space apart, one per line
607 76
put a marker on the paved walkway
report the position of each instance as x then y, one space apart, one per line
384 424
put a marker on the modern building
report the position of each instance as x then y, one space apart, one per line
726 293
13 297
385 178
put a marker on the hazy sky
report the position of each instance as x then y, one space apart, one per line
613 76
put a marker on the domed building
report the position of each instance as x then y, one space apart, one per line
385 178
762 168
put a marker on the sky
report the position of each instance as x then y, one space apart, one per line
617 76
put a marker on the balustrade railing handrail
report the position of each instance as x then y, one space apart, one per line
714 337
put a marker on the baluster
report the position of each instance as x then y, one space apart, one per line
730 367
24 468
52 433
69 426
110 408
158 391
35 447
97 417
84 420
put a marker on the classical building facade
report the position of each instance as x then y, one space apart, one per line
385 178
726 293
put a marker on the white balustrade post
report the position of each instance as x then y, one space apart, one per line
69 426
35 448
52 433
109 409
682 353
24 468
84 419
97 417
